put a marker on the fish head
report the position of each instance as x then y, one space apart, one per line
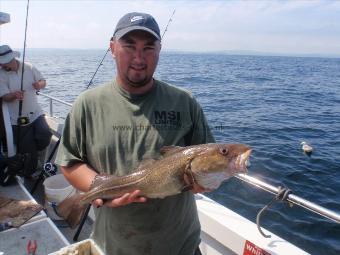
215 163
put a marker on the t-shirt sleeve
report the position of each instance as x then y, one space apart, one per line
200 132
72 147
37 74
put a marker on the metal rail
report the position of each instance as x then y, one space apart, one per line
51 99
292 198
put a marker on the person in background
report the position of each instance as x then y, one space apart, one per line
35 134
111 128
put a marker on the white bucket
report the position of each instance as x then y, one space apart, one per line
56 190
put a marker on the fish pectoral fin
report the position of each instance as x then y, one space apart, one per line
170 150
188 177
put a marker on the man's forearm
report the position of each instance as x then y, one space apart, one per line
79 175
13 96
8 97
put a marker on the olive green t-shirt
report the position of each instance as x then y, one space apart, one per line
113 131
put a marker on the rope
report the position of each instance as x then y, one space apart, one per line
282 195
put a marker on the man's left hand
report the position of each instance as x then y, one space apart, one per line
39 84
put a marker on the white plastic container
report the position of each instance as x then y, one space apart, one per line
85 247
57 189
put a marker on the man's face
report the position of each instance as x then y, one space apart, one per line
136 55
10 66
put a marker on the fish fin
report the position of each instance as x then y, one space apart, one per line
170 150
188 178
71 210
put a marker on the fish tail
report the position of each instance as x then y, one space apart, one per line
71 209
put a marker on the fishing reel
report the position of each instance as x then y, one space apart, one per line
49 169
23 121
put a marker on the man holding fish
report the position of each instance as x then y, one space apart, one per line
112 137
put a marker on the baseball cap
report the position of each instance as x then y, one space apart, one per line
136 21
7 54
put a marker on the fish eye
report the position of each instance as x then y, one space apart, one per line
224 151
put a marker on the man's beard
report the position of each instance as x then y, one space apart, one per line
140 83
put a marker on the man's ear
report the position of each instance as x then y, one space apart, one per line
112 47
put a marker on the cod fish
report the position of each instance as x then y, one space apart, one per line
207 165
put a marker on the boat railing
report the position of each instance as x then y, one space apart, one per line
51 101
291 198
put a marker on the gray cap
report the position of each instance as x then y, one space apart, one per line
136 21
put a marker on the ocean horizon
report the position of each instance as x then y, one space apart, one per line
223 52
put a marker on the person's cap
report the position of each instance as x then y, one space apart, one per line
136 21
7 54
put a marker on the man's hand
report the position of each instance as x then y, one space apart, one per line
126 199
16 95
39 84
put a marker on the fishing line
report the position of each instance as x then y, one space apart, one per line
167 25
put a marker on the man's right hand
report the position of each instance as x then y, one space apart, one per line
126 199
16 95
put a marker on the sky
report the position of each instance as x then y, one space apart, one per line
286 27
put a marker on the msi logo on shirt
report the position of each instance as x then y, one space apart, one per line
172 118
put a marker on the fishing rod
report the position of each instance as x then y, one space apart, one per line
100 64
294 199
23 120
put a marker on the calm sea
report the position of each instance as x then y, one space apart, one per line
270 103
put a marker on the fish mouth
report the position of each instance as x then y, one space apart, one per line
242 161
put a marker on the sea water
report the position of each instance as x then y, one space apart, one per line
271 103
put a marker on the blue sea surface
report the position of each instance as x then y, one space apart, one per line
270 103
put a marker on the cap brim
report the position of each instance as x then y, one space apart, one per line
119 34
